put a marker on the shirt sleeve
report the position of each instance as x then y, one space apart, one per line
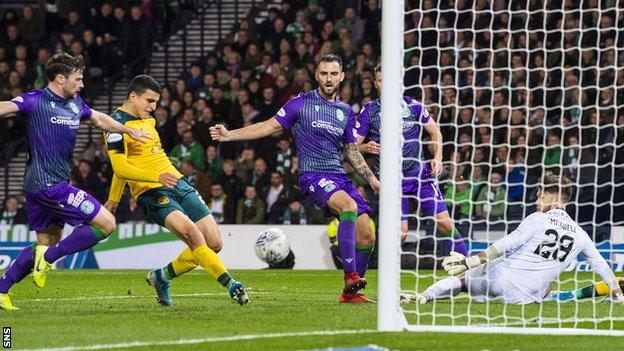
27 102
115 142
288 114
521 235
85 109
418 109
362 126
599 264
350 133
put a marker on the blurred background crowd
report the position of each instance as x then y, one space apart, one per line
515 90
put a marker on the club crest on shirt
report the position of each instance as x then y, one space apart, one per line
73 107
340 115
87 207
163 200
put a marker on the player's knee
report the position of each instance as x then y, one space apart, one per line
445 226
403 236
216 246
108 225
350 206
191 234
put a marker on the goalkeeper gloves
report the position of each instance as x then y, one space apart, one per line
456 263
617 297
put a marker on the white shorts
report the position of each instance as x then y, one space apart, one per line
487 283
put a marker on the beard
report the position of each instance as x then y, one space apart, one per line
67 93
329 91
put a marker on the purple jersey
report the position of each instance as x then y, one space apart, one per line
320 128
52 124
415 115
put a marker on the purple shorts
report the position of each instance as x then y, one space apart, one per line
58 205
319 187
428 195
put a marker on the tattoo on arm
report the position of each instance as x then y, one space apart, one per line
357 160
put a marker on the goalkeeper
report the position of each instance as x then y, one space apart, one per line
519 268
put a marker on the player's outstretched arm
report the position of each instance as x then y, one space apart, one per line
436 143
602 268
126 171
254 131
7 108
359 164
456 264
107 123
115 193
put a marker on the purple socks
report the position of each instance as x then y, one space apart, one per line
20 268
346 240
82 238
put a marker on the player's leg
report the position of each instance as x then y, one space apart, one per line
24 263
432 204
364 243
92 222
442 289
187 231
586 292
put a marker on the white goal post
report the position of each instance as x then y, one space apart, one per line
536 120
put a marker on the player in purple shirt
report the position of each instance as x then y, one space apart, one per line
419 180
52 117
322 126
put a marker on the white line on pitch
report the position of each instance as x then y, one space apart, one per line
114 297
207 340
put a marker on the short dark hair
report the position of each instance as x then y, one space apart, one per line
63 63
555 184
142 83
329 58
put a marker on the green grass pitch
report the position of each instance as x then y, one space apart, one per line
289 310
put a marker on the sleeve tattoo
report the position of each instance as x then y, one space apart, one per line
357 160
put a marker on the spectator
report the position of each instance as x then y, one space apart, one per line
232 185
220 205
259 177
244 165
490 202
294 214
458 197
552 156
250 209
284 156
12 213
352 23
277 196
214 163
87 180
189 150
136 41
31 25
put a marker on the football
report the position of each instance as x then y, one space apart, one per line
272 246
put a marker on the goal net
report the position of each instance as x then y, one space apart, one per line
518 88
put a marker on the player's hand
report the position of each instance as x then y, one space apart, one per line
616 297
219 133
455 264
436 167
375 184
111 206
167 179
371 147
138 135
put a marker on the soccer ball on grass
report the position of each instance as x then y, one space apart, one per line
272 246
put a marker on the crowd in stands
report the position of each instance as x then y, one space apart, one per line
511 102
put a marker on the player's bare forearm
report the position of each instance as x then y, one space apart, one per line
255 131
7 108
357 161
436 139
107 123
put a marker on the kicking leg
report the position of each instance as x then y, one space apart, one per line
185 262
188 232
364 243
